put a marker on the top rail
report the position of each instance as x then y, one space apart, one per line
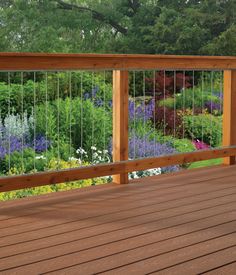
41 61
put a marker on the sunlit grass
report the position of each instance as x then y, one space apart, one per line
205 163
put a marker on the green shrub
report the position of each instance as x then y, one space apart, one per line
168 102
27 161
206 127
63 84
140 129
22 98
24 162
181 145
67 114
189 99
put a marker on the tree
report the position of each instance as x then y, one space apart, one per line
127 26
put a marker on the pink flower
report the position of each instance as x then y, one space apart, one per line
200 145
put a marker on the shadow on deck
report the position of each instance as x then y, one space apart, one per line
171 224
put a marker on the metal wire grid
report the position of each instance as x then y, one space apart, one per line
202 79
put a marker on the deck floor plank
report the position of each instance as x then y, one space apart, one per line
172 224
155 195
97 226
228 269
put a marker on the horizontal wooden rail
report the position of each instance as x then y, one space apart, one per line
54 177
40 61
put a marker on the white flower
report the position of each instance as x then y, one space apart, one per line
40 157
145 173
81 151
93 148
95 155
79 161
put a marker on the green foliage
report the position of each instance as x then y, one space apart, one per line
25 162
190 99
193 98
138 26
204 127
67 114
24 95
181 145
147 129
168 102
20 97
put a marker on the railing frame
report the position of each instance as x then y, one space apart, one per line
229 112
121 64
120 121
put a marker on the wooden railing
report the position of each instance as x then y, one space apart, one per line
121 65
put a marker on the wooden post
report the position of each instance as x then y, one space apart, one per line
229 112
120 121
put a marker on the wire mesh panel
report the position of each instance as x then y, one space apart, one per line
55 120
174 112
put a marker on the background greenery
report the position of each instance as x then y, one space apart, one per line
124 26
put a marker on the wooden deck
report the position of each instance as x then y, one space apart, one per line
172 224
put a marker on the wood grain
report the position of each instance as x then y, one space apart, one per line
186 227
40 61
120 121
54 177
229 117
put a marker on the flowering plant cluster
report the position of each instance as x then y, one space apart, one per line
98 156
213 107
94 97
200 145
16 126
16 134
141 110
142 147
145 173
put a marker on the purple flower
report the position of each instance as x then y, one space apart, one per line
95 91
41 144
12 145
219 95
86 96
141 111
92 94
213 106
3 152
143 147
98 102
110 103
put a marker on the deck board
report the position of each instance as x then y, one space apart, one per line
184 223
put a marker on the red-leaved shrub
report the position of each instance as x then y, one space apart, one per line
169 121
167 81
